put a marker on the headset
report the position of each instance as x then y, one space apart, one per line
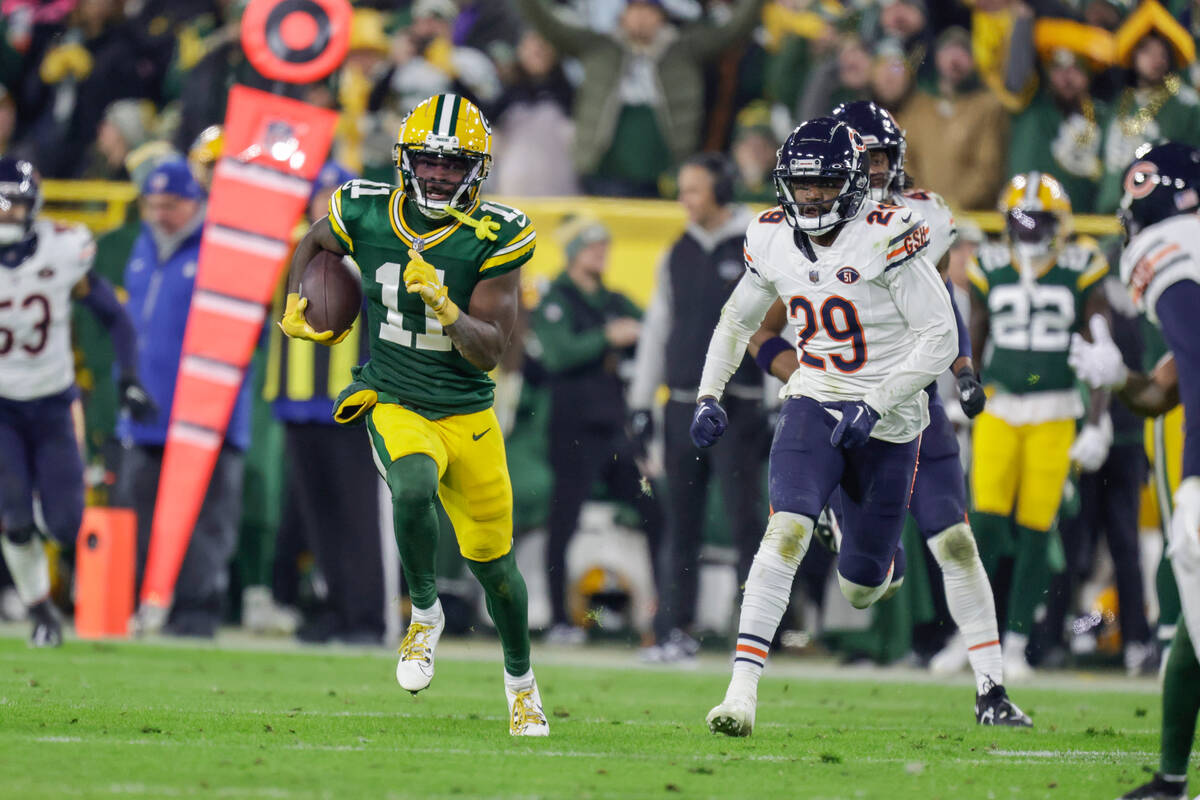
721 168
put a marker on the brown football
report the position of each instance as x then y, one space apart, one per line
334 292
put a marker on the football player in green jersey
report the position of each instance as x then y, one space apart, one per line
440 273
1028 295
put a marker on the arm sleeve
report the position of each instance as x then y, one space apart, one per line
921 299
709 40
964 335
102 301
740 317
652 344
570 39
1176 311
562 349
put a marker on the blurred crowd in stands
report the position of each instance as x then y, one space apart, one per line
586 97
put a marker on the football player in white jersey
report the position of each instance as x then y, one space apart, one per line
42 267
875 328
1160 212
938 503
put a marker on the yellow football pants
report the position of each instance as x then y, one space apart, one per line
474 485
1020 466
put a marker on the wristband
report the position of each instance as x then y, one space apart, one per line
768 350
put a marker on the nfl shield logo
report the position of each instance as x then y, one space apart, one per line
847 275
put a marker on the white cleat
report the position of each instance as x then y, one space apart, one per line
734 717
952 658
525 714
415 669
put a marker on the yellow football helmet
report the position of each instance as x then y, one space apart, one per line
1037 215
204 153
449 142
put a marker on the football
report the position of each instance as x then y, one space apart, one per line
334 293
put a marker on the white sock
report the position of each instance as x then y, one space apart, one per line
518 683
428 616
768 590
969 597
29 569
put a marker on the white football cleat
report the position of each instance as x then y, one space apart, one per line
1016 667
952 658
734 717
415 669
525 714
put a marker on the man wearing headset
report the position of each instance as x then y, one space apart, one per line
694 280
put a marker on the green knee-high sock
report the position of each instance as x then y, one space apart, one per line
1180 703
413 480
1168 601
994 538
508 606
1031 578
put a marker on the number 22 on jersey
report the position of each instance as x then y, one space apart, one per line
839 318
392 328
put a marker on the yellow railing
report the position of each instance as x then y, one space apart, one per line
100 205
643 229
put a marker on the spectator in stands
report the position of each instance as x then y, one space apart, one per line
159 281
533 127
204 88
754 148
891 79
694 280
585 332
486 25
426 61
1059 132
956 131
364 138
641 106
907 23
1156 103
97 60
331 496
837 80
125 128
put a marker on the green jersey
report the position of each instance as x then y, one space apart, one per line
412 361
1030 320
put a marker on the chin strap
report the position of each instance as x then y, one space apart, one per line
484 228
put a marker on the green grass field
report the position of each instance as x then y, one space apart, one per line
162 719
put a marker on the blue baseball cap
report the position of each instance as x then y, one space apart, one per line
331 175
172 177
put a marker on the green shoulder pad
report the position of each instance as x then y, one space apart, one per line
514 239
350 204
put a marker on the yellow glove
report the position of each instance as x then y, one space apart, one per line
64 60
296 326
421 278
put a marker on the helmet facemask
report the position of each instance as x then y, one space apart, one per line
450 177
1033 236
851 188
884 186
15 227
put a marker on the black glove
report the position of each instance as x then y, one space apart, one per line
970 392
641 429
136 400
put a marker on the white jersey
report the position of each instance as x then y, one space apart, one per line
1160 255
873 319
35 313
943 232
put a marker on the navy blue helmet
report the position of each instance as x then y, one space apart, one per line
879 131
1163 181
19 186
823 151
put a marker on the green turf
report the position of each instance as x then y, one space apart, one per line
104 720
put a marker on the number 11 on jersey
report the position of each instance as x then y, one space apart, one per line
392 329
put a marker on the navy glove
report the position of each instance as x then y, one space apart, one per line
970 392
708 423
854 428
136 400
